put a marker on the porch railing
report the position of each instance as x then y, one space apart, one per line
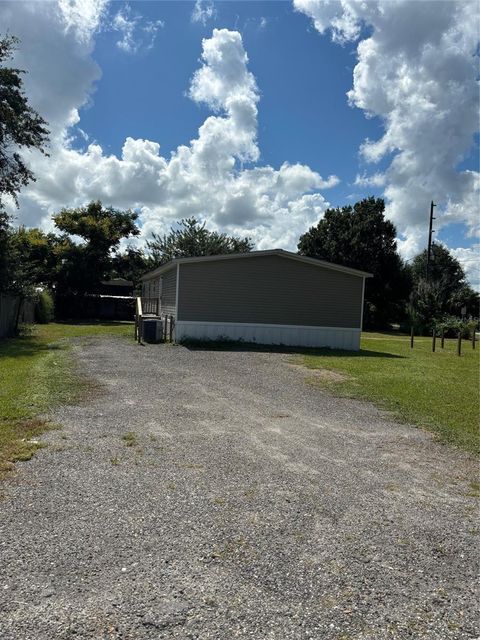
144 309
151 305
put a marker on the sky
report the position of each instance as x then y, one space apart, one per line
257 116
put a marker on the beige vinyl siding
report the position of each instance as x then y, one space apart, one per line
169 292
269 290
165 287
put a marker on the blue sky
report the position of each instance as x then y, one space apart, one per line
237 112
300 119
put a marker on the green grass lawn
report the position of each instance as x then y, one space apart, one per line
438 391
36 373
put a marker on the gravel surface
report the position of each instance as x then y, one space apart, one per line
206 494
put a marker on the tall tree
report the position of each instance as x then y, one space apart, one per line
192 238
445 291
20 126
84 265
443 268
361 237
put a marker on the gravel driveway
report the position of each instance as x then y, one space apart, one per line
205 494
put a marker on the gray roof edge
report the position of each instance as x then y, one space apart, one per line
252 254
159 270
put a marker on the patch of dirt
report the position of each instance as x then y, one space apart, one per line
322 375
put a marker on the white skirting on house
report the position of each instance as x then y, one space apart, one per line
286 334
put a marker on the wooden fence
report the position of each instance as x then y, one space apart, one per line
14 311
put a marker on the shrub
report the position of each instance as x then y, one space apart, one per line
472 327
452 325
44 308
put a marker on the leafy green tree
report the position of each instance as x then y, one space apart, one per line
425 306
20 125
359 236
444 292
33 259
468 298
130 264
443 269
192 238
82 266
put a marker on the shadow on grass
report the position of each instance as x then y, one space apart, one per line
204 345
97 323
27 345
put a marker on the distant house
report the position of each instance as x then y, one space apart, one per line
116 287
269 297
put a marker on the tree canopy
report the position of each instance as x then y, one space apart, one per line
359 236
20 126
443 268
192 238
444 292
82 266
32 258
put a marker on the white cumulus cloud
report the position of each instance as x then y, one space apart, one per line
83 17
56 43
216 176
417 66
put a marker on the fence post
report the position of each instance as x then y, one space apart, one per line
411 338
473 338
434 339
459 343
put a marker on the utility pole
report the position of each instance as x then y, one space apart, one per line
430 232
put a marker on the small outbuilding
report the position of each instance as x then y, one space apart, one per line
268 297
116 287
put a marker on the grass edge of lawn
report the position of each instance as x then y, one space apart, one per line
62 384
348 386
346 389
56 379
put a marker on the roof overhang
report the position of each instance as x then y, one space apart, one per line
255 254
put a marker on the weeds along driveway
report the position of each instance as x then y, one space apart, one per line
206 494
